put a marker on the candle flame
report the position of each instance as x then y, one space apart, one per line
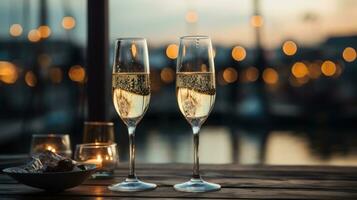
50 148
133 50
99 158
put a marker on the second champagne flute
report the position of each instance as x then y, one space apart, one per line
196 93
131 96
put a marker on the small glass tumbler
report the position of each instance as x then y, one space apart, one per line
56 143
104 155
98 132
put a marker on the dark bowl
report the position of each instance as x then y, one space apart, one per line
53 181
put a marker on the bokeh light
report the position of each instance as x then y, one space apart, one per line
15 30
172 51
191 16
299 70
314 70
44 31
289 48
68 22
238 53
349 54
230 75
256 21
270 76
167 75
44 60
34 35
8 72
56 75
338 71
328 68
30 79
77 73
251 74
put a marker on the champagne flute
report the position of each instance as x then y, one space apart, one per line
196 92
131 96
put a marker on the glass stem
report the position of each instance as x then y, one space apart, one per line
131 131
196 163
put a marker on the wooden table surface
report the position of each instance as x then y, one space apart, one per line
237 181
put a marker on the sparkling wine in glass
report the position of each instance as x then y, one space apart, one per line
131 96
196 92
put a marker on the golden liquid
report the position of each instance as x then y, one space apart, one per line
196 93
131 96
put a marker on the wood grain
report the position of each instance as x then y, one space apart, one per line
238 182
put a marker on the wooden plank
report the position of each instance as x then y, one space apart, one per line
235 167
237 183
51 197
168 192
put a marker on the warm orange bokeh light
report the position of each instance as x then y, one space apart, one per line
270 76
30 79
45 31
8 72
34 35
289 48
297 82
238 53
251 74
328 68
167 75
299 70
191 16
314 71
68 22
230 75
349 54
172 51
77 73
15 30
56 75
257 21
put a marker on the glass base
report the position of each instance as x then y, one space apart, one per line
132 185
197 185
102 175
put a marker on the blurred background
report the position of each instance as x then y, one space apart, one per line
286 77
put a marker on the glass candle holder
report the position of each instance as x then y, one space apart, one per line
104 155
56 143
98 132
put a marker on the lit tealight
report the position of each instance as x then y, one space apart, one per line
50 148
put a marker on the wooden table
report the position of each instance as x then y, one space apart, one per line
238 182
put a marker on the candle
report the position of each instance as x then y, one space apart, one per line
97 161
50 148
